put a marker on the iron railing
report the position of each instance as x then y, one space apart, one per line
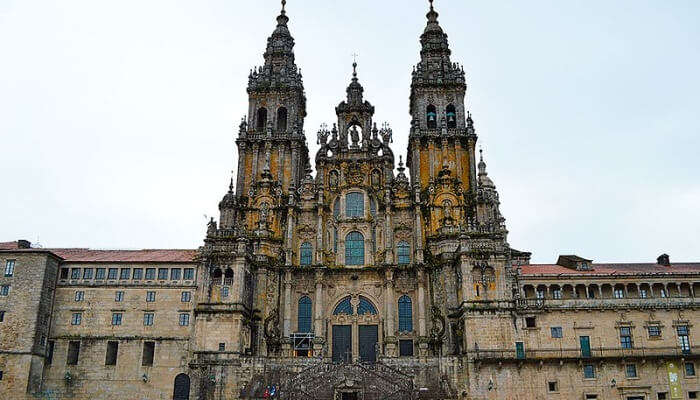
592 353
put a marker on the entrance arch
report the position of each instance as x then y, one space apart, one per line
182 387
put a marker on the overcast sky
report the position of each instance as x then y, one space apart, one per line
117 118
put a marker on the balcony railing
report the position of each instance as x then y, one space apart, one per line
605 303
582 354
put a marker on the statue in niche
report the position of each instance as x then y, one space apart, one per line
333 180
447 213
376 179
264 215
354 135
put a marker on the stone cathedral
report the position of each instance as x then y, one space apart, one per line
353 283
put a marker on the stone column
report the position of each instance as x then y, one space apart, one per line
295 166
318 308
464 268
390 299
472 163
319 231
421 302
388 231
287 303
418 228
241 175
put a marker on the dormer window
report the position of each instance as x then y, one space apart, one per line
431 117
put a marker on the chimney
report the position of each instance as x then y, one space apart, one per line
664 260
24 244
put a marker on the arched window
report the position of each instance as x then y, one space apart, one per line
304 316
372 207
431 117
355 205
305 254
182 387
216 276
282 119
404 253
405 314
228 277
451 115
344 307
366 307
354 249
336 207
335 240
262 119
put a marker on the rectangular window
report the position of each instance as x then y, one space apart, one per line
619 293
100 273
125 273
73 353
631 370
118 296
79 295
112 350
138 273
87 273
116 319
10 268
184 319
693 395
540 294
222 346
224 291
662 396
150 297
689 369
148 351
150 273
148 319
654 331
5 290
76 319
626 337
175 274
162 273
530 322
49 352
189 274
2 316
355 205
112 273
406 348
75 273
683 339
589 371
64 273
557 332
186 297
553 386
591 397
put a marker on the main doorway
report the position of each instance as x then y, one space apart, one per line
369 335
342 343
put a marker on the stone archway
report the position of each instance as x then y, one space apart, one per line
181 390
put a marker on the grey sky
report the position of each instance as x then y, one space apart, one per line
117 119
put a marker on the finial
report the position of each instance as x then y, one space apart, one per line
230 186
284 3
400 161
481 154
354 65
431 4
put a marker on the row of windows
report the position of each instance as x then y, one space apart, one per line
654 332
589 370
185 297
354 250
450 116
112 352
173 274
618 293
118 317
261 122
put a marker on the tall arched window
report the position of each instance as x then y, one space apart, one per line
404 253
282 119
372 207
405 314
305 254
228 277
354 249
366 307
344 307
304 315
431 117
216 276
355 205
262 119
451 115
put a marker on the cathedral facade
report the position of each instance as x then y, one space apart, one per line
353 283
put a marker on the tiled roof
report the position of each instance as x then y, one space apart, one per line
612 269
8 245
89 255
